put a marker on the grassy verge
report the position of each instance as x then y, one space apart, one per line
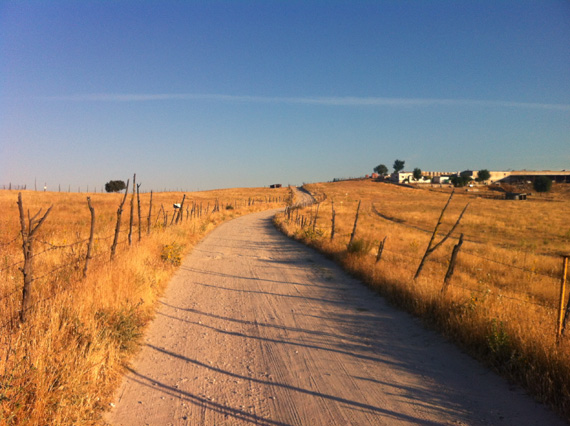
62 365
501 305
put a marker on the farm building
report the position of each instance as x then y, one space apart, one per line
441 179
515 196
521 176
401 177
427 177
562 176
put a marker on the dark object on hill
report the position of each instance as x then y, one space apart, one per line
115 186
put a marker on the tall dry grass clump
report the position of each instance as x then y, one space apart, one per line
61 365
501 302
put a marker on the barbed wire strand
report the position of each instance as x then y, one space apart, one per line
510 266
11 241
503 296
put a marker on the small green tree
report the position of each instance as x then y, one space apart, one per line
542 184
417 173
115 186
459 181
381 169
398 165
483 175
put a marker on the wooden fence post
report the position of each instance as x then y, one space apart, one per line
88 257
355 224
332 220
430 249
161 210
118 225
149 214
316 217
451 267
381 249
27 270
180 210
562 314
132 211
139 210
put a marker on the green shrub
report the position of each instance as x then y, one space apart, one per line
359 247
499 341
172 253
542 184
311 234
124 326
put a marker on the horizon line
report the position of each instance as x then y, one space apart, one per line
351 101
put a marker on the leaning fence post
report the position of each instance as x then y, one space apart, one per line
315 219
430 249
355 223
332 220
139 210
132 210
118 225
381 249
180 214
451 267
149 214
562 313
28 248
88 257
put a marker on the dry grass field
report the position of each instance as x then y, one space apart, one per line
502 301
61 365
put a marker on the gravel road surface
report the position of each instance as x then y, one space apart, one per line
256 329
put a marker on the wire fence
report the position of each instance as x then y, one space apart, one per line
548 280
75 254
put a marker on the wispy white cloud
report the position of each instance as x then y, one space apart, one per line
348 101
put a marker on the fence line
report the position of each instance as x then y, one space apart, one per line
195 211
511 266
300 222
11 241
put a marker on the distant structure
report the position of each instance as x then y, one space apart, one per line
515 196
521 176
511 177
427 177
275 185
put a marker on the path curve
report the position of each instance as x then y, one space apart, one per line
258 329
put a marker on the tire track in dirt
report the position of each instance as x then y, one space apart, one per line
258 329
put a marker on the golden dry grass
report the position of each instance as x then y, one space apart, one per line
502 301
61 366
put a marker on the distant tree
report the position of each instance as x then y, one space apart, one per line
417 173
483 175
115 186
398 165
460 180
381 169
542 184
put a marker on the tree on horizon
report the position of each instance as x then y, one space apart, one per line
417 173
115 186
381 169
398 165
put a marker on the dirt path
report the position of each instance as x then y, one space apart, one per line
258 329
302 197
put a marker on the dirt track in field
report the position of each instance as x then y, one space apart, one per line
256 329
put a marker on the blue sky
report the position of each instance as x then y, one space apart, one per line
214 94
